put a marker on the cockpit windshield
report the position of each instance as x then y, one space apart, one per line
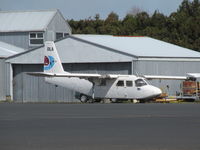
140 82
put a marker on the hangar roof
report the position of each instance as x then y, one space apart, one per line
141 46
106 48
7 50
13 21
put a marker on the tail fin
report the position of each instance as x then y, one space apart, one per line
52 63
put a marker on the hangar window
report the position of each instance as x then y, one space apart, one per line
120 83
61 35
140 82
36 38
66 34
129 83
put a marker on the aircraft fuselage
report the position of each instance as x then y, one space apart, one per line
124 87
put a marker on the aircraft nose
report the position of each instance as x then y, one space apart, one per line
157 91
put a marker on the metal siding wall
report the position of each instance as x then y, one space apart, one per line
166 68
57 24
34 89
19 39
102 68
50 36
2 80
8 80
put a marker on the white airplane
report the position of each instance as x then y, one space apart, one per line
95 86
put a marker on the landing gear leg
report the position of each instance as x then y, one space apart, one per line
93 90
142 101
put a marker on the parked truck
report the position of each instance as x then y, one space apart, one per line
190 90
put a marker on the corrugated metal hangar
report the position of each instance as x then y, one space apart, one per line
100 54
6 50
95 54
29 29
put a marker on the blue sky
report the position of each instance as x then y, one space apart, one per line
82 9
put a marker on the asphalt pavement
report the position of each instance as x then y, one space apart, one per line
99 126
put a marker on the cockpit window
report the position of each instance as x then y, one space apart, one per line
120 83
140 82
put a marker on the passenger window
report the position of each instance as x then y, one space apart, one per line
140 82
120 83
129 83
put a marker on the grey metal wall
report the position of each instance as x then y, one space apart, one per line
179 68
2 80
57 24
102 68
34 89
19 39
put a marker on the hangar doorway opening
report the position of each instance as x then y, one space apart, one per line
28 88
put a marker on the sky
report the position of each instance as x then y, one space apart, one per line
83 9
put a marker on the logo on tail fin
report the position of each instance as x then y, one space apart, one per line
49 62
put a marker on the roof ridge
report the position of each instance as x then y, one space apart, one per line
21 11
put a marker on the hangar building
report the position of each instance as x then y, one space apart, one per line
98 54
29 29
24 30
6 50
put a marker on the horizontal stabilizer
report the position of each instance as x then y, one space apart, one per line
39 74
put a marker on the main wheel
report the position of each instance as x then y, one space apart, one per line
114 100
83 98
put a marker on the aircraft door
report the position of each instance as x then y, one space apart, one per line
121 89
130 88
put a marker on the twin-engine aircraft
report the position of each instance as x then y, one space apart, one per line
97 86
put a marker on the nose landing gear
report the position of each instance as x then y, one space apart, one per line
83 98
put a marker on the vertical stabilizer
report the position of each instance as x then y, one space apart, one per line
52 63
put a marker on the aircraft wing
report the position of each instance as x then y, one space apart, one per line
78 75
194 75
150 77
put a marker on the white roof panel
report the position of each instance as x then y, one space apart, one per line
25 20
7 50
140 46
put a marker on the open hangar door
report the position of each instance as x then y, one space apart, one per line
28 88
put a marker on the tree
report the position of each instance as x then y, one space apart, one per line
129 25
158 20
112 24
143 20
181 27
134 11
112 18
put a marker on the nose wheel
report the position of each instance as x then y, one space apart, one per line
83 98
